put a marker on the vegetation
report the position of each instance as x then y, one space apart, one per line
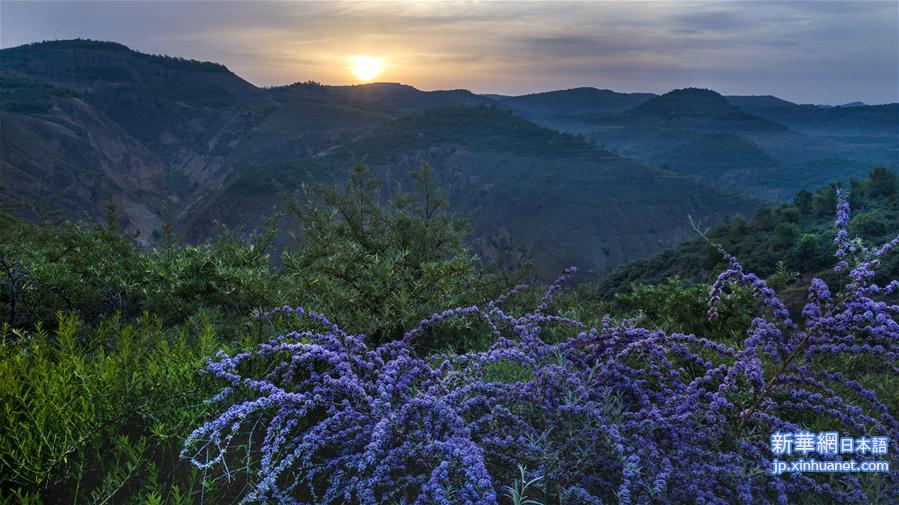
376 358
102 341
17 57
481 128
380 269
615 412
102 344
796 236
19 93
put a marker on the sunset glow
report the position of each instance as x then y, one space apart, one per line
499 47
366 68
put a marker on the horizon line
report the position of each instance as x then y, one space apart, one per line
470 90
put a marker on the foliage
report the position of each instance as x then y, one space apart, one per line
98 412
615 412
380 267
98 382
796 233
101 340
19 93
95 271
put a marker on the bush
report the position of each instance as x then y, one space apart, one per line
101 340
611 413
96 272
379 267
100 412
882 182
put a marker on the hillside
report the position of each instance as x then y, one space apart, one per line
60 154
530 192
694 108
180 127
761 145
141 130
576 102
852 119
755 103
799 234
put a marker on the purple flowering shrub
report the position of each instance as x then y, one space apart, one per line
611 414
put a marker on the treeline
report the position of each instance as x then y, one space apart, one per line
174 62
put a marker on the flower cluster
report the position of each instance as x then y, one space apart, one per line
612 414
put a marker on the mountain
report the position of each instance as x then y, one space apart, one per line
90 115
754 103
852 119
576 102
166 122
529 191
694 108
57 150
762 145
385 97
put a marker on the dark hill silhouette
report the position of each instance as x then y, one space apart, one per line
756 102
852 119
386 97
574 102
698 109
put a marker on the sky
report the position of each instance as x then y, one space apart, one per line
806 51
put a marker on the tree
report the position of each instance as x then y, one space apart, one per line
825 200
871 224
764 219
808 254
789 214
882 182
785 235
382 267
803 201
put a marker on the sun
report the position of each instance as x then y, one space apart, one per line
366 68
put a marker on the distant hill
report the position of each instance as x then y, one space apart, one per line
583 102
855 118
385 97
695 108
726 158
85 122
185 113
197 122
757 102
58 152
762 145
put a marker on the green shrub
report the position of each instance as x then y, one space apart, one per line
381 269
99 412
